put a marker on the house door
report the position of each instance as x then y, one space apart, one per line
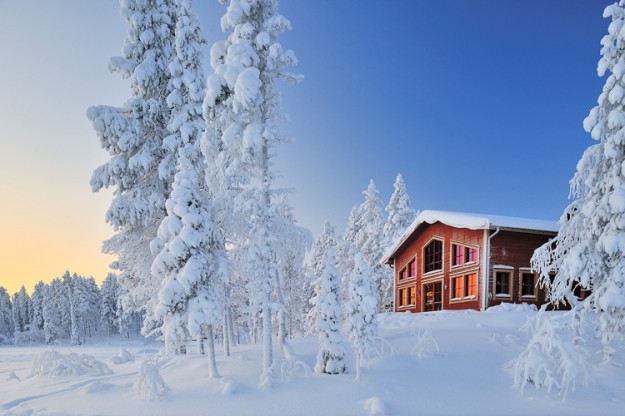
433 296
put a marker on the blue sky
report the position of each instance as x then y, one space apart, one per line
479 104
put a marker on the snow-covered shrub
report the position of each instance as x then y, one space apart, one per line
374 406
425 345
555 356
55 364
150 384
124 357
32 336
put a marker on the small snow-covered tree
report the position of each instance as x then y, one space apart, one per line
589 250
399 213
360 311
328 319
109 294
6 315
139 170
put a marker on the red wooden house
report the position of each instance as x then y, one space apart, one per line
451 260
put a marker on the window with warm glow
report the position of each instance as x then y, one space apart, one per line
464 286
461 254
412 268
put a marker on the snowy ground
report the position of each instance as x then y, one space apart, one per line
466 375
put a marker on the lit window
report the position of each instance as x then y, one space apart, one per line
463 254
464 286
412 268
502 284
433 256
407 296
403 274
528 285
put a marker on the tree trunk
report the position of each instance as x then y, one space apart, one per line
226 334
212 364
200 340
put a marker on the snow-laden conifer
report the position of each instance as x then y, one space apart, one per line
22 310
360 311
328 319
589 250
242 109
369 240
6 316
140 170
37 304
191 260
109 298
399 213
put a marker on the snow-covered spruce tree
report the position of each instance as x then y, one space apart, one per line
244 91
316 266
140 170
37 302
328 319
360 311
399 212
22 311
589 250
192 262
55 311
109 294
6 316
369 239
346 249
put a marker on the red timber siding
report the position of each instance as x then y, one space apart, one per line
514 249
414 247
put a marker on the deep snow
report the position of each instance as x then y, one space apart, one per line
441 363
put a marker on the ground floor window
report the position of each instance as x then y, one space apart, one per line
502 284
433 296
528 285
464 286
407 296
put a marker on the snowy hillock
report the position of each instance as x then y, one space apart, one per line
441 363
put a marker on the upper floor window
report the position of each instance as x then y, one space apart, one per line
433 256
403 273
412 268
461 254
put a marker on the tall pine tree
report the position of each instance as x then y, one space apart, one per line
589 250
140 169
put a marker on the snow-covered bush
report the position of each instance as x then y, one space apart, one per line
55 364
425 345
149 383
374 406
555 357
124 357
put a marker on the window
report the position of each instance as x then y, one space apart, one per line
407 296
402 274
433 256
528 285
461 254
464 286
412 268
502 284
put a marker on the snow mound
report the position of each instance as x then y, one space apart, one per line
55 364
124 357
512 307
374 406
96 387
12 376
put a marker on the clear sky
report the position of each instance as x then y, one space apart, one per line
478 103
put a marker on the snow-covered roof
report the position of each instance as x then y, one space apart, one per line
472 222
